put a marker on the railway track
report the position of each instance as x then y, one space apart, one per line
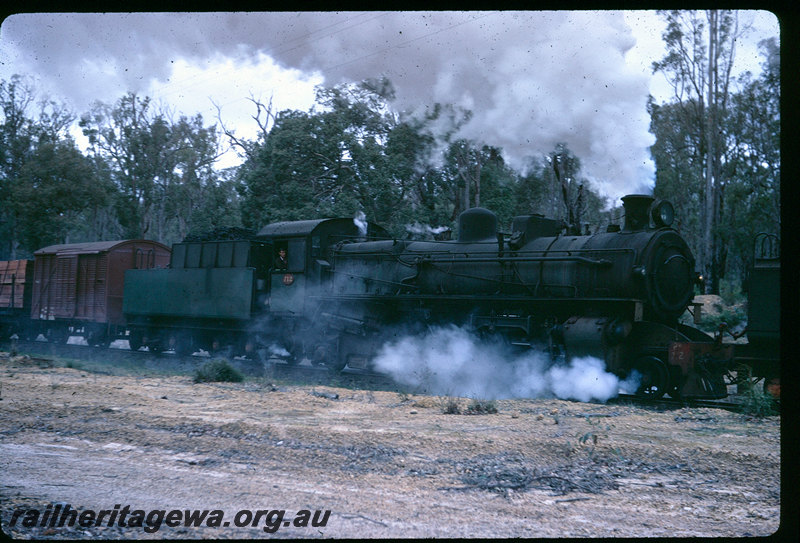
105 359
304 372
670 403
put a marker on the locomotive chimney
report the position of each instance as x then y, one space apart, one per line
636 208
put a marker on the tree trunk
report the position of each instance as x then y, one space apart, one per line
466 190
708 230
478 181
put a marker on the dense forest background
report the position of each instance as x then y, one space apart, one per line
148 173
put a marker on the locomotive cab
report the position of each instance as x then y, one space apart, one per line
299 284
307 245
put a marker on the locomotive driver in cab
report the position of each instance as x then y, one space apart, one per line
280 261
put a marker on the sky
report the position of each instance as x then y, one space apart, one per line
532 79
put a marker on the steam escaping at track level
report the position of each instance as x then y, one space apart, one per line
450 360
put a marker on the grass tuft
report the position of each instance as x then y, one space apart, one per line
217 370
450 405
757 403
481 407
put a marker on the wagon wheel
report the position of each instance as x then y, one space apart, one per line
319 355
97 338
246 347
296 351
135 339
201 342
184 344
25 331
328 355
655 377
152 340
675 388
215 345
338 356
57 335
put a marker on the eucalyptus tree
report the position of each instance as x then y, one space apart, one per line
350 153
132 139
717 149
47 186
193 184
16 144
701 49
161 166
479 177
753 164
54 190
678 159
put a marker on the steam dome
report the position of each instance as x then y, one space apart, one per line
477 224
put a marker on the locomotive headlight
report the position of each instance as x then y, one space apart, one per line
663 213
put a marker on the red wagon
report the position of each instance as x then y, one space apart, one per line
78 287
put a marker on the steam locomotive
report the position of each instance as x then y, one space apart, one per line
348 288
616 295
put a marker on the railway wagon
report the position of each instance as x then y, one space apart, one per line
203 300
78 287
16 287
763 351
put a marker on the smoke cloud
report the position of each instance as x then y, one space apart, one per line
276 350
451 361
532 79
423 230
360 220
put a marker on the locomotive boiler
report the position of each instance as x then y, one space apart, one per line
616 295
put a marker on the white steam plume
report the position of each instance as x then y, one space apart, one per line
425 230
532 79
449 360
360 220
277 350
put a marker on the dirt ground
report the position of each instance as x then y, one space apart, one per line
385 463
